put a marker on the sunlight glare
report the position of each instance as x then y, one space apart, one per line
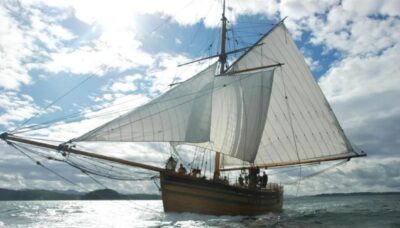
114 16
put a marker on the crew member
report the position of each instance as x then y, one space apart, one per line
241 183
264 180
253 171
196 172
226 181
171 164
182 170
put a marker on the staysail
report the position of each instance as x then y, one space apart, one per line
171 117
261 116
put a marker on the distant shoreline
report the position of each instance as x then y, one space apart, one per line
38 194
357 194
108 194
344 194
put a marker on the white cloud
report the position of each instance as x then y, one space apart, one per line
301 9
111 51
16 108
360 35
166 71
25 34
368 7
14 49
126 84
313 64
363 76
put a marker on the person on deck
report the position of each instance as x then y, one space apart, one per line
264 180
196 172
226 181
182 170
253 171
171 164
241 183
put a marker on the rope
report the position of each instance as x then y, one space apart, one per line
317 173
291 126
43 166
56 100
15 146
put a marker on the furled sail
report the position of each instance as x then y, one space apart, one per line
181 114
300 124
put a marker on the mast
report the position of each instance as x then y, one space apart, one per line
216 166
63 147
222 61
222 54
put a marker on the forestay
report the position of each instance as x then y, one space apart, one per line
300 123
182 114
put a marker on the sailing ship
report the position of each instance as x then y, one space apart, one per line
265 110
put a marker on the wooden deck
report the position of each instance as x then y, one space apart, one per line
189 194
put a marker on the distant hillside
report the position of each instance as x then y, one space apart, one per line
6 194
103 194
108 194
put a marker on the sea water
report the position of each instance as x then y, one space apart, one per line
327 211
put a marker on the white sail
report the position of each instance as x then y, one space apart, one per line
181 114
263 117
239 111
300 124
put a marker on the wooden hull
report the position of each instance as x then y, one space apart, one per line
189 194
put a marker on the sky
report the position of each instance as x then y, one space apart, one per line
108 57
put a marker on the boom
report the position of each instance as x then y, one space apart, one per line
62 147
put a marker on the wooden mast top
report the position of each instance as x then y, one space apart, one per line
62 147
222 55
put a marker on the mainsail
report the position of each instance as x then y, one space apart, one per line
300 124
261 116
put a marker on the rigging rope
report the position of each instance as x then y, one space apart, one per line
57 99
291 125
317 173
15 146
70 181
